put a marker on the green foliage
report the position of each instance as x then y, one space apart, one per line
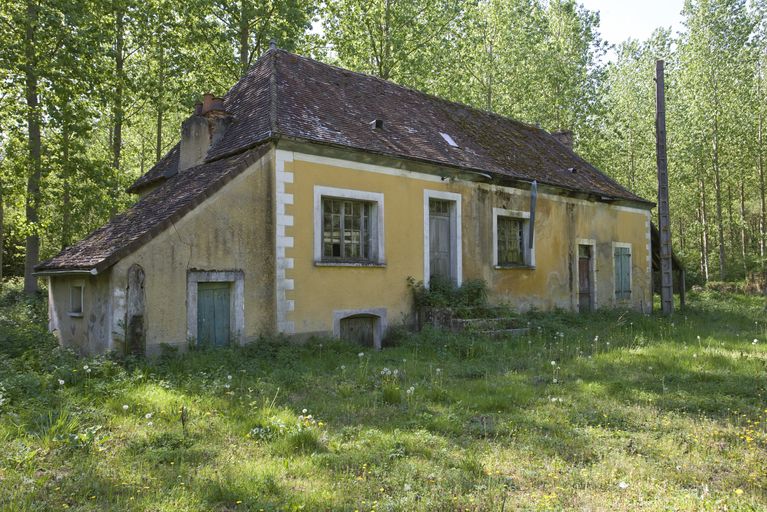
444 293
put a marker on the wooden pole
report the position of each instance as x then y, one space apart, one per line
664 218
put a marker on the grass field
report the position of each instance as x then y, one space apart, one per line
610 411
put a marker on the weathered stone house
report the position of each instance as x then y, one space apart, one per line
302 202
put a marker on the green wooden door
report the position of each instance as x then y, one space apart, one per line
213 313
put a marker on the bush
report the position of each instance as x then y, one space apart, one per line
443 293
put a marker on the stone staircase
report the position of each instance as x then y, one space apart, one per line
494 327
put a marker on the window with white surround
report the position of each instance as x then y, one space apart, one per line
622 267
76 300
511 239
348 227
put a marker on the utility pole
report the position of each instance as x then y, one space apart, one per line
664 218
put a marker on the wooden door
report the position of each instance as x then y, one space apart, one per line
213 313
585 286
359 329
440 246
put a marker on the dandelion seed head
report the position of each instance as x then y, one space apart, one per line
125 407
148 415
623 485
61 382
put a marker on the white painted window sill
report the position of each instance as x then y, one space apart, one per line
75 315
514 267
358 264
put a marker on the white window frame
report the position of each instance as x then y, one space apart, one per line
455 235
236 300
376 200
592 271
631 270
528 252
72 293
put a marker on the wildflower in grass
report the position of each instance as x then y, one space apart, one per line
343 367
228 377
227 385
361 355
125 407
149 424
85 368
755 341
738 491
304 411
408 487
553 363
61 382
623 485
410 390
439 370
148 415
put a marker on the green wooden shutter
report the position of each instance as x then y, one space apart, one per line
213 313
622 273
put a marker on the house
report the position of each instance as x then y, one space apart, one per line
302 201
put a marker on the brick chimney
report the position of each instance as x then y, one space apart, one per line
201 130
565 137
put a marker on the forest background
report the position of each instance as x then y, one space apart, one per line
92 94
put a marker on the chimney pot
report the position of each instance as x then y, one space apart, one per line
202 130
207 99
216 104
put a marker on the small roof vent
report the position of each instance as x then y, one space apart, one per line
448 139
376 124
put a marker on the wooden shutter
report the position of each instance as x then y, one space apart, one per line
622 273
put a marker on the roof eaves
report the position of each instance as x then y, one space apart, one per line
130 247
496 176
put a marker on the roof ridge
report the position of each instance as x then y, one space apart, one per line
417 91
273 90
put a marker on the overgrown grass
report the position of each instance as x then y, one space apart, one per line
609 411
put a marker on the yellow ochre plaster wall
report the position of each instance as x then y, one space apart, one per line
229 231
85 332
312 293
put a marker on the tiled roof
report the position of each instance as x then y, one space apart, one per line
150 215
287 96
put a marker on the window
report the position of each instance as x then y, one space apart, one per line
345 229
76 300
622 262
348 227
511 246
511 239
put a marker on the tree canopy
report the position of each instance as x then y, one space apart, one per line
93 94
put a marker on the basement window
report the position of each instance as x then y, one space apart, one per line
348 227
511 236
76 300
449 139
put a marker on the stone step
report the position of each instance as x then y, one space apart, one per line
483 324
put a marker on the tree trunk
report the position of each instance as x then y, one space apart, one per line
2 235
244 33
704 230
743 237
65 178
718 197
760 168
32 253
118 113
